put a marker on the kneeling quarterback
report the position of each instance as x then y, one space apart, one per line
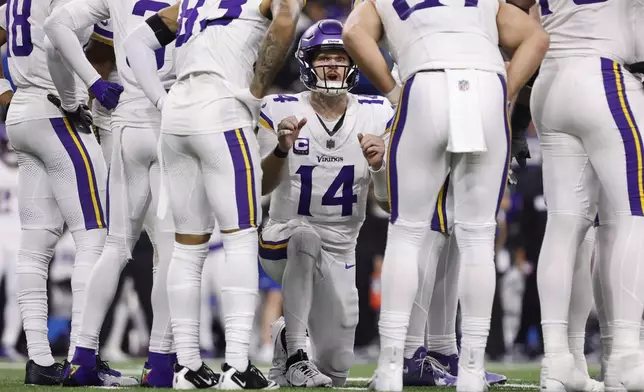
318 163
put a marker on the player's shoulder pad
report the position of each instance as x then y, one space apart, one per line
273 107
378 108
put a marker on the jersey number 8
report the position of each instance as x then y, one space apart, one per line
343 180
19 29
404 11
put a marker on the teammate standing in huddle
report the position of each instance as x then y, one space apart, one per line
452 116
62 180
318 163
100 52
133 183
212 162
587 109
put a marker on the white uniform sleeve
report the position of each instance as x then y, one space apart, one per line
266 136
139 47
3 20
380 177
61 25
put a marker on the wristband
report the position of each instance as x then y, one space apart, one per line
279 153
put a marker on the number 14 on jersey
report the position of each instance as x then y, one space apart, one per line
343 182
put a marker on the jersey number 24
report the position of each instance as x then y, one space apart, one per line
344 181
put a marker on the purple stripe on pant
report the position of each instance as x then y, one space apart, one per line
392 177
614 89
508 138
89 202
243 174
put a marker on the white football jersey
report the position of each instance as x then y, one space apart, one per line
638 22
28 61
9 213
125 15
220 39
104 33
327 178
591 28
439 34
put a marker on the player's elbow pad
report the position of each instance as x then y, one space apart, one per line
161 31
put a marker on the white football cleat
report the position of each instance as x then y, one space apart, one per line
277 372
625 372
471 380
389 375
560 374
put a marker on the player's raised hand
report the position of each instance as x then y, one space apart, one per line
287 131
373 149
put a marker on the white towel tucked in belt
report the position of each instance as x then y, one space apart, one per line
465 123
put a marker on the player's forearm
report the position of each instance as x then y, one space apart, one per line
364 50
62 77
525 62
272 167
139 47
60 28
273 51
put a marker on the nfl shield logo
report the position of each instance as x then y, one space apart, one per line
330 144
463 85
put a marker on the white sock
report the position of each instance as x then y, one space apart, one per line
184 293
36 249
476 290
441 324
562 240
206 339
161 333
399 285
13 323
89 245
626 283
101 288
430 254
605 234
581 300
303 258
239 294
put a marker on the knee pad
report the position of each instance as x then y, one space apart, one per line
407 233
474 235
305 240
240 241
36 250
336 365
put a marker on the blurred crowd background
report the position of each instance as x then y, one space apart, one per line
515 333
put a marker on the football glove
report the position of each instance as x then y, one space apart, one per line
637 68
107 93
519 148
80 119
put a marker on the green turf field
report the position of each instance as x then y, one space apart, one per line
521 377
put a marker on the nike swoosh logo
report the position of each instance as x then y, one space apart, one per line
349 266
239 381
207 382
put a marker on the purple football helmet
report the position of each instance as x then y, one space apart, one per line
324 35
